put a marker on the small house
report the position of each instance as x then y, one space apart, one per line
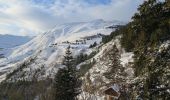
112 93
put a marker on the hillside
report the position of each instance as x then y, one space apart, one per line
47 49
114 60
7 42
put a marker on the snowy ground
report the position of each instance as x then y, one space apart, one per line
95 78
49 47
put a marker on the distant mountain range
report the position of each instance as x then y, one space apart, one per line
10 41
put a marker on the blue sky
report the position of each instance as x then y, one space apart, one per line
31 17
91 2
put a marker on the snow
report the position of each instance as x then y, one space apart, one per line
126 57
2 77
48 49
50 55
164 46
10 41
87 96
116 87
95 76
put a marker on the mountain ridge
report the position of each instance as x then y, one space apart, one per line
49 47
10 41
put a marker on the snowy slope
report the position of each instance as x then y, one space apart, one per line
95 82
8 42
48 48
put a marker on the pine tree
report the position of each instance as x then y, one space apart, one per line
154 84
67 83
81 58
115 72
93 45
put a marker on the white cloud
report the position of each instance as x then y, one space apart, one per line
23 17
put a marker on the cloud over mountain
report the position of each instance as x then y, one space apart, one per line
29 17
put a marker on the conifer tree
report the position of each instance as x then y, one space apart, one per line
115 72
67 83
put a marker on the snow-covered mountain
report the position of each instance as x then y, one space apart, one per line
10 41
46 51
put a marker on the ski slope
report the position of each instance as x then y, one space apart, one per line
48 48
